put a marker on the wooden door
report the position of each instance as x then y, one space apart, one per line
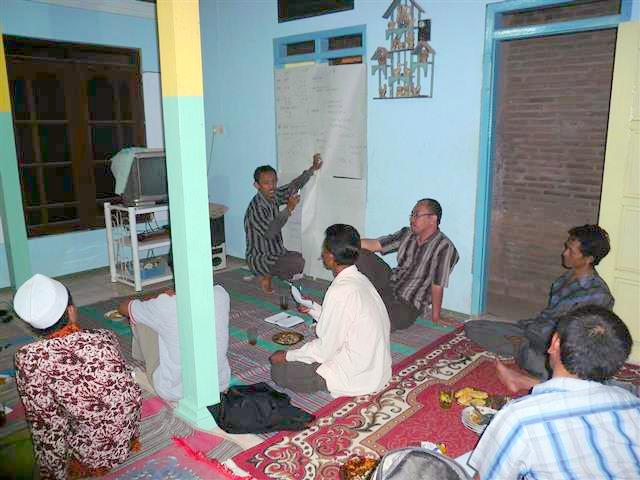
620 204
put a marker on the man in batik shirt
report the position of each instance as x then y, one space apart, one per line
80 399
263 222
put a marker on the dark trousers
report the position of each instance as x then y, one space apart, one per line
298 377
401 315
531 338
288 265
505 338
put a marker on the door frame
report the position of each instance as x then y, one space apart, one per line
494 34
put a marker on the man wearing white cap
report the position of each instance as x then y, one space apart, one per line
80 400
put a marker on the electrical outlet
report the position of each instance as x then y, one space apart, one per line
218 129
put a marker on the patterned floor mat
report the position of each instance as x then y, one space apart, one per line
249 363
249 306
405 413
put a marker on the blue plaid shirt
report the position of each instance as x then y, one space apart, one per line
566 429
565 295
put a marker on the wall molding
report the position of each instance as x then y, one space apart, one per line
132 8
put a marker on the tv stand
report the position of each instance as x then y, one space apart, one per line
126 241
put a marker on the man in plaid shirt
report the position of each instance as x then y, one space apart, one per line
527 340
571 426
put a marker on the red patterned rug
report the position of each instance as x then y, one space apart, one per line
405 413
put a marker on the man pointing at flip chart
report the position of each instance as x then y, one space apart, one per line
263 222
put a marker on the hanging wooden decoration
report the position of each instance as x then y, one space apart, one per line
409 59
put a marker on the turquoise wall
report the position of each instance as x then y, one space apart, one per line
416 148
83 250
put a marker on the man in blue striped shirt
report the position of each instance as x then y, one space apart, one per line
571 426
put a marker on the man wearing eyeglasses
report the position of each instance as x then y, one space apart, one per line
426 258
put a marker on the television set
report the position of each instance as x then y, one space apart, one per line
147 182
294 9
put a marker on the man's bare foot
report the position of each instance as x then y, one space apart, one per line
445 321
265 284
514 380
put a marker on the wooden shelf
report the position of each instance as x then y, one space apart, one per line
157 241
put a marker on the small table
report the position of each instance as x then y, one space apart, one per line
124 245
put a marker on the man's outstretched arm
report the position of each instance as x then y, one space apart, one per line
371 244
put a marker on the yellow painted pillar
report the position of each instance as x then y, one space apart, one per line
183 111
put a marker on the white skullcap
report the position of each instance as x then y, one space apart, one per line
41 301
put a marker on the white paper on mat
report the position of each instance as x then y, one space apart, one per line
284 319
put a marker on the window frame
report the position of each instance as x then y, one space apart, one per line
321 54
75 64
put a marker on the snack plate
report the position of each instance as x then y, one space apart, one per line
468 417
113 315
358 468
287 338
471 396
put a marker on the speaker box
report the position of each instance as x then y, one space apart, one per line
219 257
216 226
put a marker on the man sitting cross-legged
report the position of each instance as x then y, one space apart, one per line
426 258
571 426
156 341
351 355
527 340
263 222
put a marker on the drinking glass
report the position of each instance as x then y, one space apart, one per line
284 302
252 335
445 397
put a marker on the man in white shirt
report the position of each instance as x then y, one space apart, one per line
154 324
351 355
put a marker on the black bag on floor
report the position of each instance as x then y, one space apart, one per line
257 409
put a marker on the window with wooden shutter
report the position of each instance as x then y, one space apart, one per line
74 107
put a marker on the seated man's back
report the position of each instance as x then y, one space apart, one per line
571 426
566 428
354 311
351 355
79 398
161 315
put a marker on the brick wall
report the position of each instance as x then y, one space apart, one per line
551 121
576 10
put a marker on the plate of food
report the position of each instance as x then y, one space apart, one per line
287 338
471 396
113 315
476 419
358 468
